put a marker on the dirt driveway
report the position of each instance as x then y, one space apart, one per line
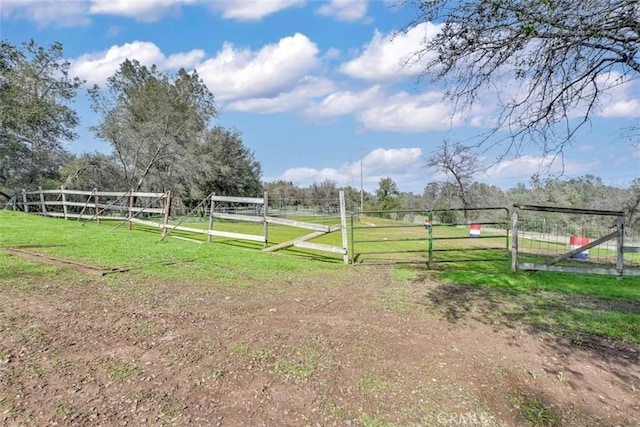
353 347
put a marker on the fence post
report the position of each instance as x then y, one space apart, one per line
265 210
43 205
64 201
211 207
95 205
343 227
619 246
514 240
25 203
430 236
130 214
167 207
14 202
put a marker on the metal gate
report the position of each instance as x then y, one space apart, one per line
430 236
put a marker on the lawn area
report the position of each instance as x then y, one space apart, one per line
222 333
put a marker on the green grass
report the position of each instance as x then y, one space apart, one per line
379 239
572 305
560 302
537 413
497 274
373 385
373 421
301 364
104 247
122 371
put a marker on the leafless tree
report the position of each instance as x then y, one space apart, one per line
548 62
459 163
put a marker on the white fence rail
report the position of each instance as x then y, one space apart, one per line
98 205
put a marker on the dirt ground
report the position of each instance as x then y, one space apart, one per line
354 347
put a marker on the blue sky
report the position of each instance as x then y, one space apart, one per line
313 86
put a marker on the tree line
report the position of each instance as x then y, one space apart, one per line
159 127
586 192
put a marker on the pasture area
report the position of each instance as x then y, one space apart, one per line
104 326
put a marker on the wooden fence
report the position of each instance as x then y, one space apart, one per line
93 205
153 210
261 205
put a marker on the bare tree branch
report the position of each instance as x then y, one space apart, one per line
547 60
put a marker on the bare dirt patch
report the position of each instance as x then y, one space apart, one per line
347 348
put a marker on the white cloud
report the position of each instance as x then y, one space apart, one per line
524 167
346 102
620 96
303 176
245 10
403 165
45 13
410 113
96 68
184 60
241 73
266 77
141 10
625 108
65 13
294 100
386 161
344 10
388 57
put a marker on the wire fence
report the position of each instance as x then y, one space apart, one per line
566 238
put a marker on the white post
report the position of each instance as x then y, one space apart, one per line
343 228
265 209
619 246
167 207
211 207
25 202
130 211
64 201
514 241
96 202
43 205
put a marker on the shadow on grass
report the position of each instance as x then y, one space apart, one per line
608 329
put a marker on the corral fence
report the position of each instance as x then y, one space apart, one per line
595 239
216 216
541 238
230 217
437 235
93 205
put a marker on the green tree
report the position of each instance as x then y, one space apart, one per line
283 193
219 162
93 170
36 118
152 120
387 195
632 205
559 52
324 195
355 199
